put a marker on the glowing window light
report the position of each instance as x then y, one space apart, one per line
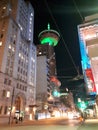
4 7
29 30
31 14
30 19
8 94
13 49
27 109
0 43
20 27
30 22
94 58
9 46
89 36
32 59
40 53
19 54
22 57
30 116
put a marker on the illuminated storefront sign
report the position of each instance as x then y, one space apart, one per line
90 81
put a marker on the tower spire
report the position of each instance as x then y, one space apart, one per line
48 26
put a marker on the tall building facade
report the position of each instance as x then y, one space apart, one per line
88 37
17 57
46 67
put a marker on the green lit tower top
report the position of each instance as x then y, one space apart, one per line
49 36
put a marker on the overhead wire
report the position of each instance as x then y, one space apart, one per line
77 70
77 9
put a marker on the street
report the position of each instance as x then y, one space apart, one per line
54 124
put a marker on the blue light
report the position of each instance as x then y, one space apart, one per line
84 56
56 93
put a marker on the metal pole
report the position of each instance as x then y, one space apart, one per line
11 105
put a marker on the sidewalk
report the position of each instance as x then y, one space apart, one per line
91 120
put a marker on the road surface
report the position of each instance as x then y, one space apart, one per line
58 124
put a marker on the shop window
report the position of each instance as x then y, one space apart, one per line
5 110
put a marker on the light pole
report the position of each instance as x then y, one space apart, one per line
11 105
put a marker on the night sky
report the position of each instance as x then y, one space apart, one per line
63 16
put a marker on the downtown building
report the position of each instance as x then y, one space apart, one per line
47 85
88 38
46 67
17 58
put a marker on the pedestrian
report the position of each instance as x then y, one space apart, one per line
20 118
16 120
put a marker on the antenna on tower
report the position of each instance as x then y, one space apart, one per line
48 27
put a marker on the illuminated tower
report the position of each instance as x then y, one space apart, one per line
46 63
48 39
49 36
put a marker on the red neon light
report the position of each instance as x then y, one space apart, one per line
90 77
55 81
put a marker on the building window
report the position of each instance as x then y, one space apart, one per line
17 85
0 43
5 81
8 62
8 94
20 86
14 42
1 107
4 93
5 110
25 88
7 70
18 69
9 83
1 36
11 72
